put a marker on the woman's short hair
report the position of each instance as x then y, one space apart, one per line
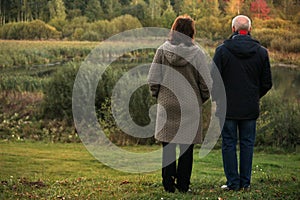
183 24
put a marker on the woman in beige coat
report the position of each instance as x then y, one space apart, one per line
179 78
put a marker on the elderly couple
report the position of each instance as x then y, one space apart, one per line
179 78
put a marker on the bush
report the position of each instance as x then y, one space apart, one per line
21 83
278 44
58 94
278 125
17 31
36 29
77 23
4 30
123 23
102 28
293 46
297 19
276 23
90 36
113 132
58 100
78 33
282 45
277 34
265 35
58 23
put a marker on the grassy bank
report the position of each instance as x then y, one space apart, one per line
68 171
29 54
25 53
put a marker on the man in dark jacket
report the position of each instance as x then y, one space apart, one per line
245 69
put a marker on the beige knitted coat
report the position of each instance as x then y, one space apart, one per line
179 78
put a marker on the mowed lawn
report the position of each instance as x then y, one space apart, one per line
36 170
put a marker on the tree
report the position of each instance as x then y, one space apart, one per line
177 6
57 9
154 9
168 16
124 2
193 8
72 13
112 8
260 9
234 7
209 27
3 11
198 9
38 9
153 13
12 10
94 10
25 14
289 8
76 4
212 7
137 8
245 10
222 4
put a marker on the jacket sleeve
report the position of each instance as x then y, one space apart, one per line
216 71
266 76
218 59
155 74
204 91
204 76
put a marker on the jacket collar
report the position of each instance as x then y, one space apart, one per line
237 33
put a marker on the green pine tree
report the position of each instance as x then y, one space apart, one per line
57 9
168 16
94 10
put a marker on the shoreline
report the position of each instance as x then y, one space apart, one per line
45 53
285 66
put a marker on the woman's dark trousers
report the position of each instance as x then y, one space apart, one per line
182 173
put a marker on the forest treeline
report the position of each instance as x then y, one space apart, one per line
149 12
276 22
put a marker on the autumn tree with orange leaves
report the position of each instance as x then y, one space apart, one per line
260 9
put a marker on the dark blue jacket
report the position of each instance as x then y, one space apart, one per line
245 69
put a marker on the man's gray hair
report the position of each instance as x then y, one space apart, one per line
241 22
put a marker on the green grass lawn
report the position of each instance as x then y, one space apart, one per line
67 171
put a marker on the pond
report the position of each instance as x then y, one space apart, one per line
286 81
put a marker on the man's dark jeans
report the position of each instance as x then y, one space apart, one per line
245 130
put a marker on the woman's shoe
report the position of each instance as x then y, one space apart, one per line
182 189
169 185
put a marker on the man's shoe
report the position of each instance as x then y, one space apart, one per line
226 188
246 189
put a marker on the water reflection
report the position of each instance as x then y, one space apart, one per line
287 82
